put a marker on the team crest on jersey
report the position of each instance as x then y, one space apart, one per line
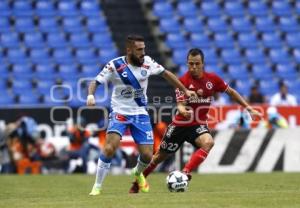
191 86
209 85
144 73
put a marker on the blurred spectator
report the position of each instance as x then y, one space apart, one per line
274 119
218 100
283 97
6 165
255 95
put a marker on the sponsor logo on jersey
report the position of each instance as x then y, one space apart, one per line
209 85
191 86
200 100
124 74
144 73
127 93
122 67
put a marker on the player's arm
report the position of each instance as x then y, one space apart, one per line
239 99
172 79
183 109
91 92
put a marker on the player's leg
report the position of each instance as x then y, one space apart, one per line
112 142
204 142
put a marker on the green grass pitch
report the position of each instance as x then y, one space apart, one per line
209 191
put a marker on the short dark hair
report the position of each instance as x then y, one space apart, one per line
195 52
132 38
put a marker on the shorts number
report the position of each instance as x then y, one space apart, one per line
172 146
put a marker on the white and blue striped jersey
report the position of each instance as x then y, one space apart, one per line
129 84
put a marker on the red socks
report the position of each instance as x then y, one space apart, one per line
151 167
196 159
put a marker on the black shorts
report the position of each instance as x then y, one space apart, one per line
175 136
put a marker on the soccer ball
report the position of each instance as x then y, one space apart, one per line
177 181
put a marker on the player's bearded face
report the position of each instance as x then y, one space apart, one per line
195 65
138 53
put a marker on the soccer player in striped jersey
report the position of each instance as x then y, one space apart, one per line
129 75
190 123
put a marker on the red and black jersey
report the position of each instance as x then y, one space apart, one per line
205 87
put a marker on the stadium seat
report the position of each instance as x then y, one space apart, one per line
271 40
34 40
241 25
187 9
163 9
210 9
286 71
72 24
69 69
210 56
4 24
63 56
255 56
217 25
48 24
257 8
238 72
288 24
10 40
67 9
231 56
200 40
281 8
176 41
296 54
6 99
39 55
22 69
234 9
264 24
96 25
90 70
279 56
243 87
4 9
43 71
105 55
193 25
247 40
102 40
24 24
56 40
45 8
261 71
292 39
86 56
214 68
269 87
22 8
79 40
16 55
90 8
223 40
169 25
178 56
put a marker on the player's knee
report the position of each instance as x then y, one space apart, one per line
146 157
109 150
208 144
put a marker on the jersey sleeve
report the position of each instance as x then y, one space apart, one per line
105 74
220 84
155 68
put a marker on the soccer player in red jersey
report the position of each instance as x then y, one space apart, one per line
190 123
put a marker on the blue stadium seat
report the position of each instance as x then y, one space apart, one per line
4 9
106 55
86 56
286 71
243 87
223 40
44 85
176 41
247 40
96 25
255 56
262 71
241 25
90 8
214 68
200 40
231 56
281 8
16 55
163 9
4 24
34 40
169 25
292 40
72 24
178 56
10 40
187 9
102 40
288 24
56 40
22 8
45 8
210 9
296 54
210 56
79 40
63 56
39 55
269 87
271 40
217 25
279 56
22 69
297 8
234 9
69 69
45 71
22 85
264 24
24 24
67 9
90 70
294 87
238 72
48 24
257 8
3 71
193 25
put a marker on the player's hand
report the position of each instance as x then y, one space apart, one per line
190 93
185 111
254 113
90 101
